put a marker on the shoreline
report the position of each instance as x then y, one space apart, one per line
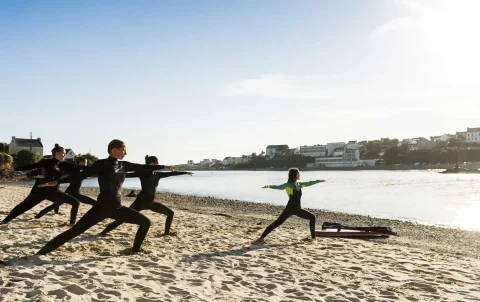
212 258
436 237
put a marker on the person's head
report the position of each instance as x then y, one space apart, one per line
58 152
293 175
151 160
81 161
117 149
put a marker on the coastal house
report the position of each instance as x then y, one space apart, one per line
442 138
338 152
272 150
69 154
228 161
18 144
419 143
205 162
473 135
313 151
331 147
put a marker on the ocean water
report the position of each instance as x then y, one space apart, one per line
420 195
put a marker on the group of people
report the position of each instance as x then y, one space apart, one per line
111 173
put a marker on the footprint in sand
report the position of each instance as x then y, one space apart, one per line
76 289
59 293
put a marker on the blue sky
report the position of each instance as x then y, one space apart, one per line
208 79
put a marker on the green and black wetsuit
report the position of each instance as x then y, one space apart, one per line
294 206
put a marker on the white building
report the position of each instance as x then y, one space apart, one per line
338 152
272 150
314 151
18 144
340 162
205 162
215 162
473 135
331 147
227 161
442 138
69 154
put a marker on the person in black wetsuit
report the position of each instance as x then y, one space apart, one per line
111 175
73 189
54 169
294 207
37 174
146 198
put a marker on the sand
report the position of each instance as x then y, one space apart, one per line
212 258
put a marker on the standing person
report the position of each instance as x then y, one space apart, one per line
146 198
54 169
294 207
111 175
73 189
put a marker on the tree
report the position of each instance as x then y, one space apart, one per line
6 160
91 158
441 144
394 142
371 154
26 157
454 142
4 147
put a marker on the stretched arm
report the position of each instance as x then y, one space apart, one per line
87 172
36 165
131 167
310 183
279 187
168 174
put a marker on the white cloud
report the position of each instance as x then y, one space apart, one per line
418 11
275 86
393 25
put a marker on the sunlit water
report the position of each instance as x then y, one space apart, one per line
424 196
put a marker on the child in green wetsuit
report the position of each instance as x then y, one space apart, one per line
294 207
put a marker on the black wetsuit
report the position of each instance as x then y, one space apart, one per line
146 198
111 175
294 207
72 190
53 170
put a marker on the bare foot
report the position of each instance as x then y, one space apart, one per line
308 239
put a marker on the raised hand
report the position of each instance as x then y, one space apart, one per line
266 187
189 173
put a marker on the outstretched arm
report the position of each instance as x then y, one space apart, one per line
36 165
279 187
310 183
131 167
168 174
87 172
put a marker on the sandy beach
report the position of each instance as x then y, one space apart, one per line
212 258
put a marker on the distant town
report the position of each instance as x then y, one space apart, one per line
354 154
438 150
